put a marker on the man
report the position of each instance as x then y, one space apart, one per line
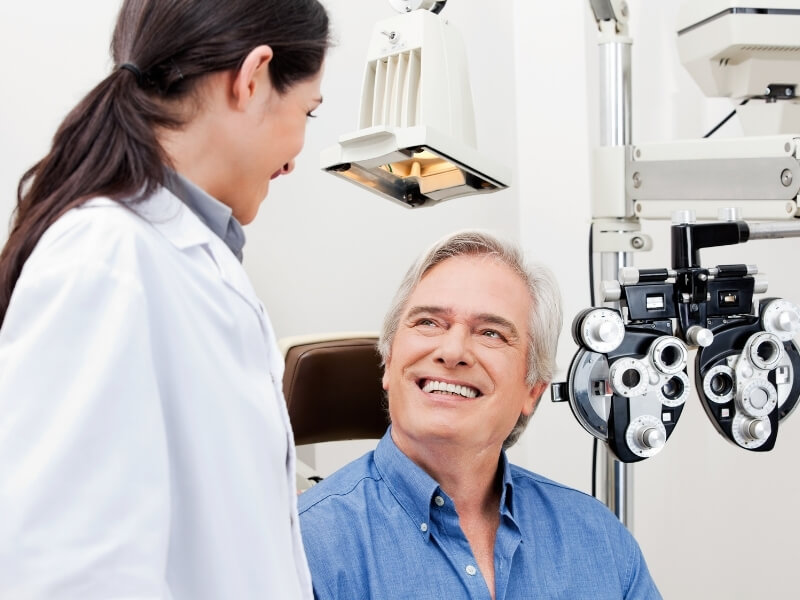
437 511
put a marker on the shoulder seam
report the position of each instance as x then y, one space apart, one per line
518 473
344 493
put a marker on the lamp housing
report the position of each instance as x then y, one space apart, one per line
416 140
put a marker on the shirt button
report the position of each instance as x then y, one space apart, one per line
471 570
424 527
439 501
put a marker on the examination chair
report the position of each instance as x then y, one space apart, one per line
333 391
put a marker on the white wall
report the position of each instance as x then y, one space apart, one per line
714 521
49 59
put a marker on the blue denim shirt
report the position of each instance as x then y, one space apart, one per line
382 528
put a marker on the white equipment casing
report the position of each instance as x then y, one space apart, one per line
731 50
742 49
760 176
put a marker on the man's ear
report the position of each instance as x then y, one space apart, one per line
534 394
251 75
385 378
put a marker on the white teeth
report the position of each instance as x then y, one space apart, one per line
452 388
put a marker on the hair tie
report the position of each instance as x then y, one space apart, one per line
133 69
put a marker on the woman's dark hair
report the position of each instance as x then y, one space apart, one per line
107 145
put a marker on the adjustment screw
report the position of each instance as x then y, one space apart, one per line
637 243
637 180
786 178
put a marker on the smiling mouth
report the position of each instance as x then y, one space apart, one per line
453 389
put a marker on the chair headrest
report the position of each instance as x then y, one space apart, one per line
333 388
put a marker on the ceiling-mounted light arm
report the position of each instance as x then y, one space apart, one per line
404 6
607 12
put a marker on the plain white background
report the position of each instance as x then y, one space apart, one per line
714 521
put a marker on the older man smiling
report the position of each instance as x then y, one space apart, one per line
437 511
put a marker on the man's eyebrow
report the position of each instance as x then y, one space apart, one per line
428 310
498 321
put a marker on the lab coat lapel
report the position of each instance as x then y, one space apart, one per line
185 230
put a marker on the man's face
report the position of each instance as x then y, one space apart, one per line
458 362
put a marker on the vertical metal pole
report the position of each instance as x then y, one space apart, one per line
615 93
615 130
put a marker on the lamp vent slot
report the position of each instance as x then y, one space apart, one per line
393 86
758 48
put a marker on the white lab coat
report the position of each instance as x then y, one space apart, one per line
145 447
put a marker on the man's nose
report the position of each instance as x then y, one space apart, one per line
288 167
455 347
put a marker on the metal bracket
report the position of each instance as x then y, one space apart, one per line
622 241
611 11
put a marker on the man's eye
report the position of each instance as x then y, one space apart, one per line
493 334
426 322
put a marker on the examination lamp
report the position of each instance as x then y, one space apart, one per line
416 139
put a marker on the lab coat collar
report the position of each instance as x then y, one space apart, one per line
178 224
173 219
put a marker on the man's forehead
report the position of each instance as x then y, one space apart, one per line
474 288
457 272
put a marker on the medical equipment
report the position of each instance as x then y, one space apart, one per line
416 140
628 380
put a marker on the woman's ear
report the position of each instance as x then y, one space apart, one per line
251 75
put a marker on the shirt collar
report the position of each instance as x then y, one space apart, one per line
414 489
507 494
217 216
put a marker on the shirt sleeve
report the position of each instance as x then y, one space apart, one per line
84 481
640 585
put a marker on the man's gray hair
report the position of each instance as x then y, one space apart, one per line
544 323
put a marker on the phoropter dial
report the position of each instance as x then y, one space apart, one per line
646 435
601 330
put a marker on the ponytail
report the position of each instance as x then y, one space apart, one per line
105 147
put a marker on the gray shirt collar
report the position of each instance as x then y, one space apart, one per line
217 216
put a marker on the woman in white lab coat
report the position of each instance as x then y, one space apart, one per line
145 449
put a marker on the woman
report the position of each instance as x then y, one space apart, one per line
145 449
